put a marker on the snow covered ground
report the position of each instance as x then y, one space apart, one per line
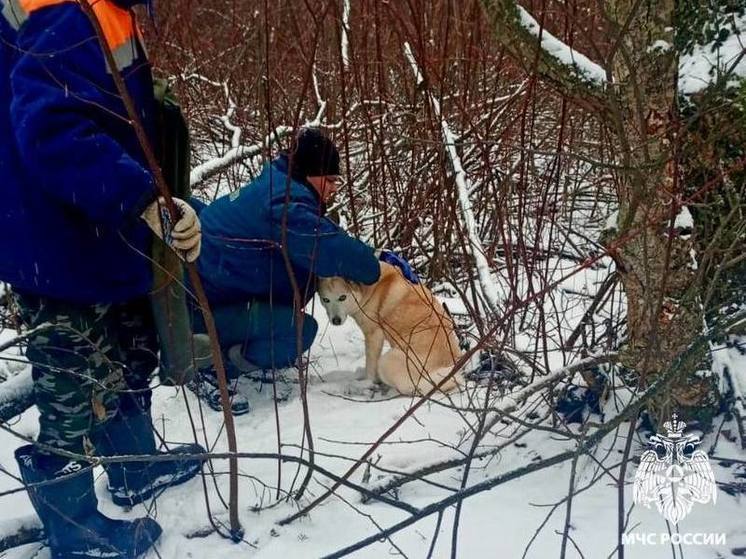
346 417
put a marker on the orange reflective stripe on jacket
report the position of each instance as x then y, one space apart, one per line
117 24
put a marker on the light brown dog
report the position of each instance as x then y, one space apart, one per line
423 344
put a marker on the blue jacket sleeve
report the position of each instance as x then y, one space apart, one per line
318 245
60 90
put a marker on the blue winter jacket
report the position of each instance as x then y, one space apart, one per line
241 254
73 179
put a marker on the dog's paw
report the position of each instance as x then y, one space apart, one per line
376 387
361 388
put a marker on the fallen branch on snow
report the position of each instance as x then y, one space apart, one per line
16 395
17 392
20 531
585 445
507 405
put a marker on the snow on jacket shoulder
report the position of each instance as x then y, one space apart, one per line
243 235
74 175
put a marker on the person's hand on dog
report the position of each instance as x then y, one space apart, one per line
396 260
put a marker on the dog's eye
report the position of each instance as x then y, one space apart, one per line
325 300
342 297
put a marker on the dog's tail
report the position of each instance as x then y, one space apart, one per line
430 379
456 382
409 379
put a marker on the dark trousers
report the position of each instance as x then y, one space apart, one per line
91 361
267 332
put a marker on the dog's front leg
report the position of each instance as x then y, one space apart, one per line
373 349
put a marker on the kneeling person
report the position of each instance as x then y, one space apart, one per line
250 280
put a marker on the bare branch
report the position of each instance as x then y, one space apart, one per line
235 155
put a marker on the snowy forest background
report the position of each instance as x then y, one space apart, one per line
568 176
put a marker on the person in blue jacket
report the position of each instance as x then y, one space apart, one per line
263 248
78 214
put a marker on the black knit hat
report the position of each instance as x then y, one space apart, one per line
315 155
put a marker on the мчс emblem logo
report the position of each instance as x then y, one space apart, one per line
674 475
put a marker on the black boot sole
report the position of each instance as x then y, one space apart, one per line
154 489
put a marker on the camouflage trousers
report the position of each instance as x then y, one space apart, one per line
90 362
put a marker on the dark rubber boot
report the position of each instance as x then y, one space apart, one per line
205 386
131 432
68 509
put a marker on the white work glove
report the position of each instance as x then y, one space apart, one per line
185 237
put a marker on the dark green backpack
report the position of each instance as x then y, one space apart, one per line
169 298
174 146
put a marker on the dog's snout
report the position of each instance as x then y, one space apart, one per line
336 321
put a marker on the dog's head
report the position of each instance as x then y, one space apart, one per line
338 296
